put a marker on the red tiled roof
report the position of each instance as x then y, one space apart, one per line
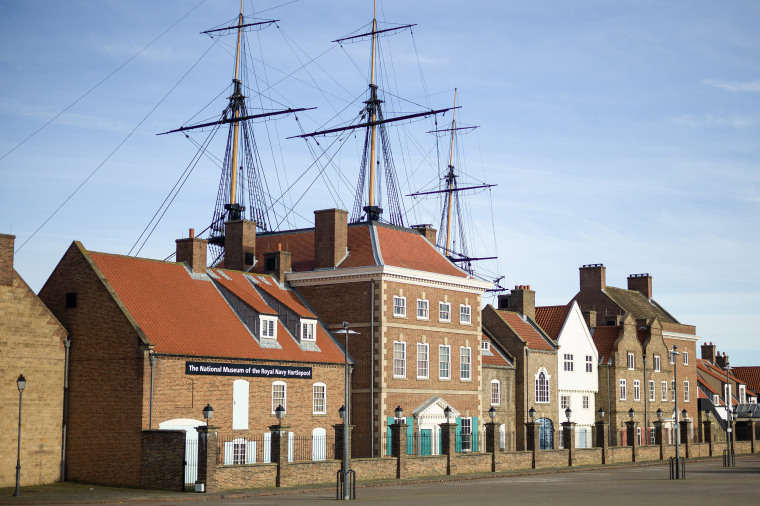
716 371
409 249
300 243
238 285
525 331
604 340
496 358
287 297
187 316
749 375
552 318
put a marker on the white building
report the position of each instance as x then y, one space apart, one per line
578 381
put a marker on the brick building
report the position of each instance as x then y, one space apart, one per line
33 344
535 360
499 389
153 342
416 313
604 305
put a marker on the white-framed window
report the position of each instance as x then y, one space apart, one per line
685 358
638 436
399 359
444 361
399 306
542 387
423 309
636 390
279 395
623 392
485 345
268 326
657 363
465 363
320 398
664 388
423 361
564 401
465 314
651 391
466 430
742 394
672 390
589 363
495 392
240 404
568 362
672 357
716 399
308 330
686 391
631 361
444 311
585 401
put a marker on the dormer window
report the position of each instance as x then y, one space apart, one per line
485 346
268 326
308 330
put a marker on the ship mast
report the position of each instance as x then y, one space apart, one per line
450 177
372 104
237 98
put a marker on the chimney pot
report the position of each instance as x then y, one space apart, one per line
193 251
191 234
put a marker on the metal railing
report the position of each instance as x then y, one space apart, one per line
677 468
340 490
729 458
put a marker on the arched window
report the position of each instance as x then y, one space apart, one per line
320 398
240 404
279 395
542 386
495 392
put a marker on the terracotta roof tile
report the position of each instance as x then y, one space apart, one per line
552 318
604 339
749 375
183 315
525 330
496 357
716 371
409 249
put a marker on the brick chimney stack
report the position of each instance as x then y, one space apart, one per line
427 231
721 360
239 245
522 300
593 277
278 263
193 251
330 237
6 259
590 318
708 352
641 283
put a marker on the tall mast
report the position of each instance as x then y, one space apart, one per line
450 177
373 112
237 93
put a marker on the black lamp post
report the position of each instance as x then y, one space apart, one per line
21 384
568 413
208 412
659 414
631 413
532 413
601 414
492 413
279 413
345 331
447 414
399 414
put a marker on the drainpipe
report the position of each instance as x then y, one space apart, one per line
67 348
527 394
646 400
152 365
372 365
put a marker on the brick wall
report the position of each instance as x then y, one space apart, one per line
619 454
512 461
551 458
473 463
242 477
426 465
32 344
644 453
587 456
306 473
163 460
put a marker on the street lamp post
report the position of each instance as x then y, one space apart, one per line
728 412
346 464
21 384
673 355
208 412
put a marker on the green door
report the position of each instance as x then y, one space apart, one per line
425 439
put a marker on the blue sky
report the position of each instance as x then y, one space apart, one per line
623 133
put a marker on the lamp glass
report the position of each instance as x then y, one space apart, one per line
279 412
631 413
208 411
399 412
492 413
659 414
532 413
21 383
568 413
601 413
447 413
342 412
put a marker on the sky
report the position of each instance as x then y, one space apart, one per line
625 133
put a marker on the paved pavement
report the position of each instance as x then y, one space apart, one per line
707 482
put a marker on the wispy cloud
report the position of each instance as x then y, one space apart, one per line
734 87
709 121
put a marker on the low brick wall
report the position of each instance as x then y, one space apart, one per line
551 458
699 450
670 451
162 464
375 469
587 457
309 472
620 454
645 453
472 463
243 476
513 461
742 447
428 465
